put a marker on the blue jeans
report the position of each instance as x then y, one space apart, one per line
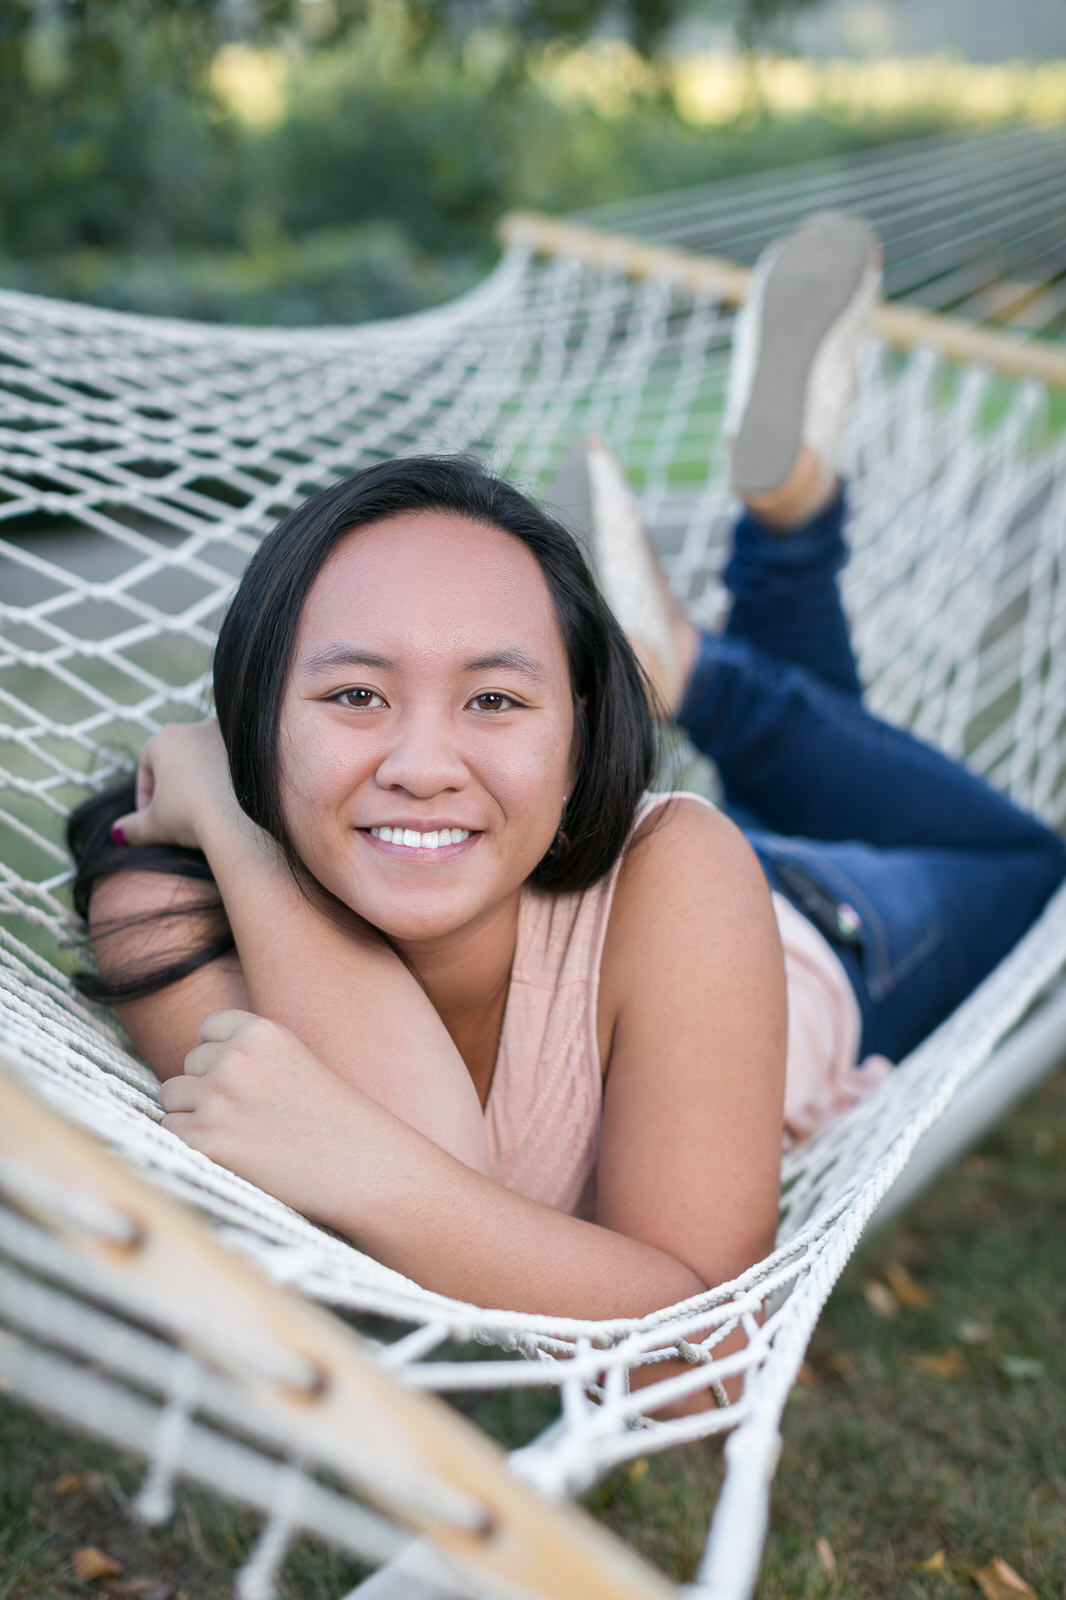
919 873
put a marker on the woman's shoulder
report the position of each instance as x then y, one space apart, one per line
688 870
675 828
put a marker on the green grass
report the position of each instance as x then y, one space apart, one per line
936 1429
887 1456
60 1492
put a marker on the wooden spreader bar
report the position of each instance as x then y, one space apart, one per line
900 326
164 1257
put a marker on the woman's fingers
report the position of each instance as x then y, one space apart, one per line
138 827
134 828
179 1094
182 777
145 778
200 1060
219 1027
180 1099
219 1032
212 1104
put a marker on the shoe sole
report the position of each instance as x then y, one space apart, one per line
591 497
817 274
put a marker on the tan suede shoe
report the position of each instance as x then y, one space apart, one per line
591 497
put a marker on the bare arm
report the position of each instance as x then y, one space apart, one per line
692 1122
690 1151
340 989
140 921
342 1115
690 1154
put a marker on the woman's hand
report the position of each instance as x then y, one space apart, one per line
329 977
256 1100
182 779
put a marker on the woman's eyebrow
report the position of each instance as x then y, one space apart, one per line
344 655
348 655
508 660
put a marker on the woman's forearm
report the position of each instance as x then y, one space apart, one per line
343 992
465 1236
256 1100
461 1234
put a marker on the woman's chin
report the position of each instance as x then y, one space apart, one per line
408 926
414 915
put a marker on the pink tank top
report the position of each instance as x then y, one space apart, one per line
543 1110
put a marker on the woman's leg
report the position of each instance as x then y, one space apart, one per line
775 700
916 929
809 759
785 595
920 874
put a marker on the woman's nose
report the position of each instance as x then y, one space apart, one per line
423 756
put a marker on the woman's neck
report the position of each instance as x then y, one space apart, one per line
467 976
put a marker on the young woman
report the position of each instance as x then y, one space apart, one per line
411 948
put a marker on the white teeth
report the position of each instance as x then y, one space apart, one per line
421 841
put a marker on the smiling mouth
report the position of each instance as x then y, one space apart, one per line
411 839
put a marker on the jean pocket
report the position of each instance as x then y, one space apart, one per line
876 902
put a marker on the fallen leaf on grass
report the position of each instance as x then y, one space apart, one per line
91 1564
824 1551
972 1332
841 1363
879 1298
999 1581
68 1483
903 1286
1020 1369
948 1364
934 1563
638 1469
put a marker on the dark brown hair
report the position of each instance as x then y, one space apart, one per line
253 656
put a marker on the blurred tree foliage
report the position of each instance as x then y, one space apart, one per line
401 131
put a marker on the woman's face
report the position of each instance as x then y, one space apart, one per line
426 734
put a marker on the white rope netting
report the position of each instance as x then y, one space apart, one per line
972 225
141 460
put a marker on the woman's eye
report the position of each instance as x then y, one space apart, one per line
493 701
359 699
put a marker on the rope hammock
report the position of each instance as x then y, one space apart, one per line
140 462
